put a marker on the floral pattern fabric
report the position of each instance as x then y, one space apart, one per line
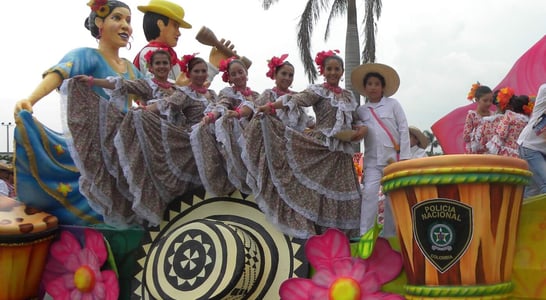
305 181
149 154
155 151
298 120
93 122
506 134
218 146
478 131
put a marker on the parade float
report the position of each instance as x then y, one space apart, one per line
224 248
464 232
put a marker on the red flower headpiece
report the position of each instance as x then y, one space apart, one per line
100 7
472 92
321 56
149 54
504 96
224 66
184 63
528 108
273 64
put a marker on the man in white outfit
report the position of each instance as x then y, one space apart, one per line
387 140
532 145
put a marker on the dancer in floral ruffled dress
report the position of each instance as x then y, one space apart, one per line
479 123
218 136
515 116
153 141
306 181
282 71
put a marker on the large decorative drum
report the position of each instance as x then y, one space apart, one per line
457 218
25 236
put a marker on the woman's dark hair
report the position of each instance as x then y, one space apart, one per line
195 61
238 61
285 63
516 103
376 75
495 94
159 51
90 21
481 91
336 57
149 24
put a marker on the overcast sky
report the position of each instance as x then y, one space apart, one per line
439 48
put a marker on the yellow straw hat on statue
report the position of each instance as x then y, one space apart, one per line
392 80
166 8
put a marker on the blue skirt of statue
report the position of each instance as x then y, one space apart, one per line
46 177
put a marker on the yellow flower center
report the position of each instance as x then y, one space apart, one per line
345 288
84 279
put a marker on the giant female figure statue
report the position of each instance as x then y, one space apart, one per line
76 175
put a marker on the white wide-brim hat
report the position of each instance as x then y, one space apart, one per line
6 167
392 80
421 137
217 248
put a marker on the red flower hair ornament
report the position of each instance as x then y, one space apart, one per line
528 108
274 63
504 96
472 92
184 63
100 7
224 66
321 56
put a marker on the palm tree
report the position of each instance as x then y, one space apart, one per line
433 141
309 18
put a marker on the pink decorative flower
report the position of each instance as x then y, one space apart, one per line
339 275
528 108
73 272
224 66
504 96
472 92
321 56
273 64
184 63
381 207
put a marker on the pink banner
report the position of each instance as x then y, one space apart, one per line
525 77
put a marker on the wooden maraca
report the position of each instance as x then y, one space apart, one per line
206 37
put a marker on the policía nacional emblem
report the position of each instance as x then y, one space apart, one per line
443 230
